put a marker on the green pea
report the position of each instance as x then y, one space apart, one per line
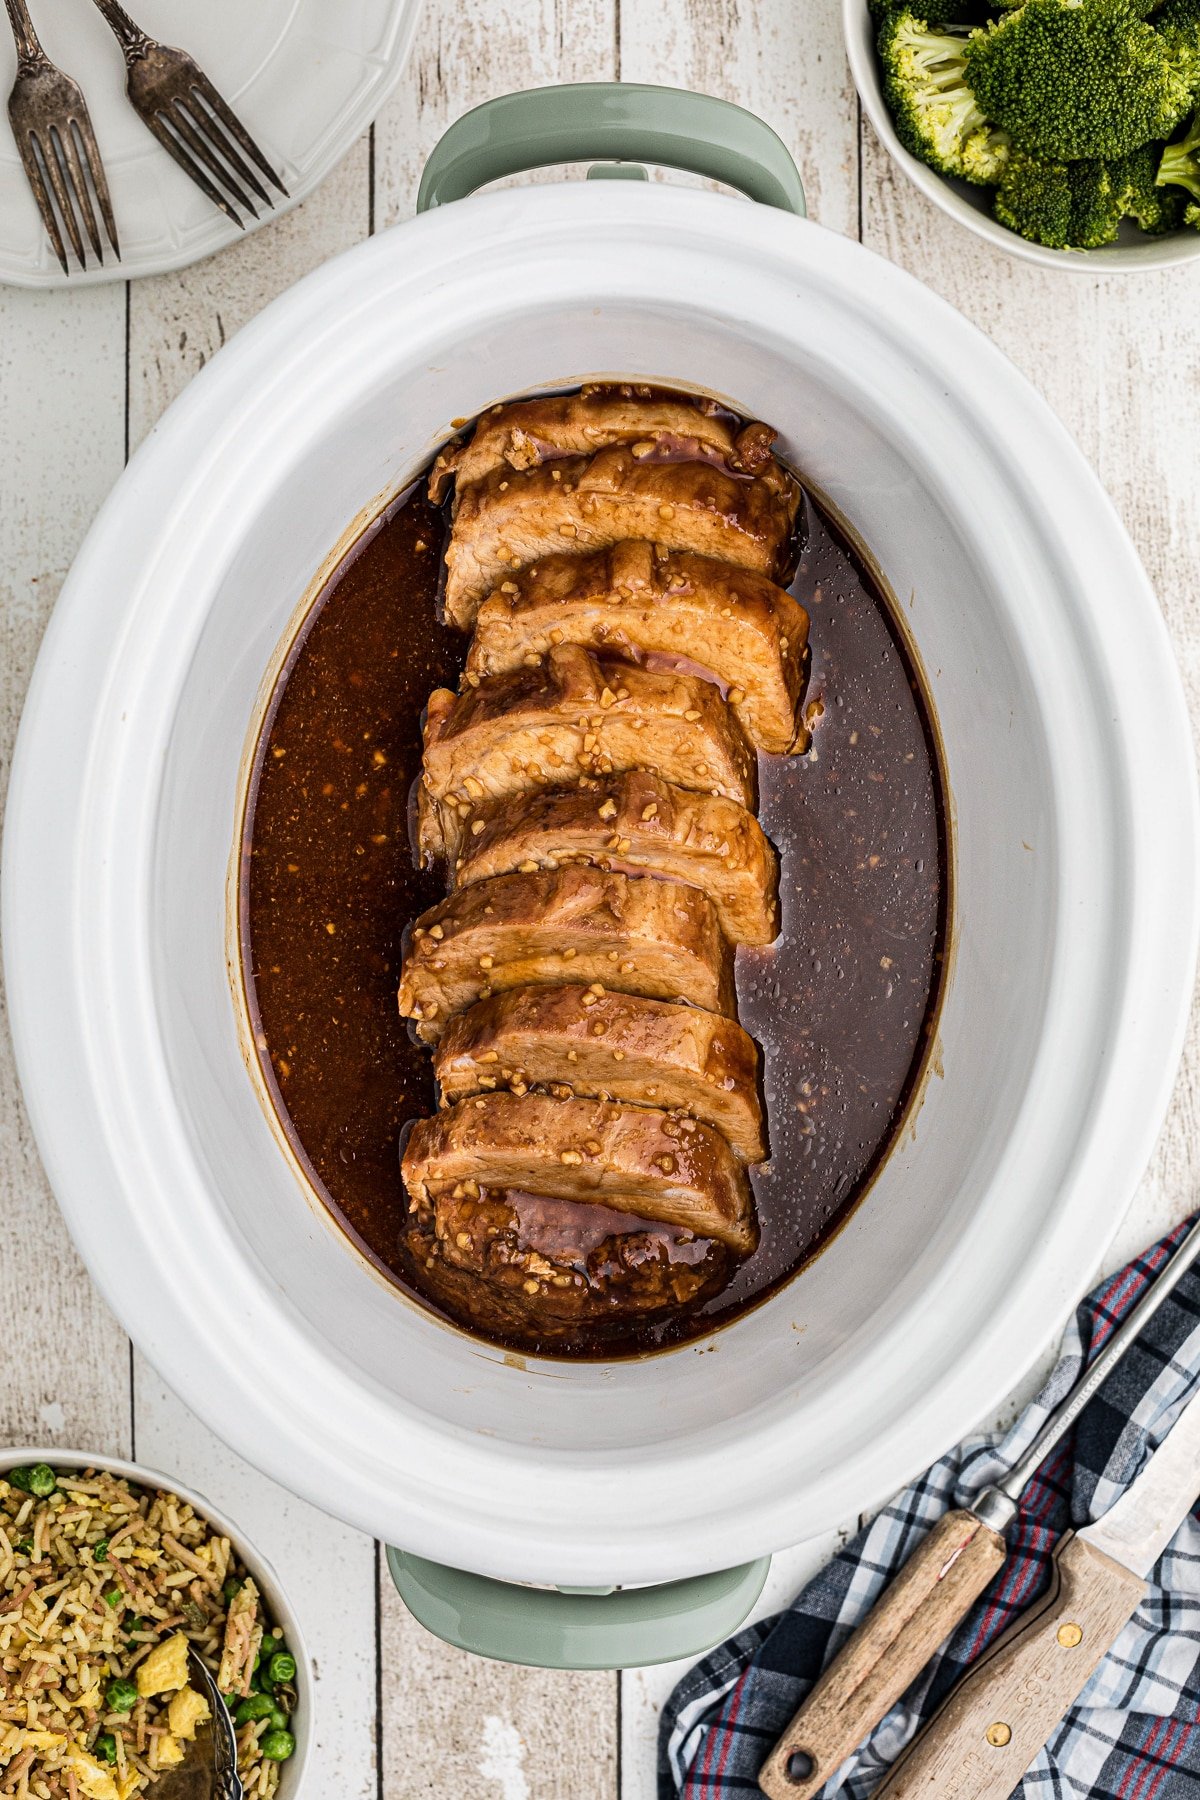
260 1681
256 1706
282 1667
278 1718
270 1646
230 1701
277 1746
232 1587
121 1695
19 1478
42 1480
100 1551
106 1747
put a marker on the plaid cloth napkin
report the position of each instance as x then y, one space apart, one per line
1132 1734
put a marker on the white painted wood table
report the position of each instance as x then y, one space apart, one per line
83 377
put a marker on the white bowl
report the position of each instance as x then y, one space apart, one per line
971 206
1074 826
291 1773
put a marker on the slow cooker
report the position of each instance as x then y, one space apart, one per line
1073 827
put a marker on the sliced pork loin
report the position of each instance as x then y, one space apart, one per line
655 1164
640 825
514 517
524 433
664 609
578 925
532 1269
577 1040
572 718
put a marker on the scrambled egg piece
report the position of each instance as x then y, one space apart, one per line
170 1752
165 1668
92 1697
95 1780
187 1710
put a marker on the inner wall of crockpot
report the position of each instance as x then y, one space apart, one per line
862 447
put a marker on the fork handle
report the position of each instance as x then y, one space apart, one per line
132 39
30 54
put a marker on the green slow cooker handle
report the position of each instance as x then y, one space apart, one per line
627 121
576 1628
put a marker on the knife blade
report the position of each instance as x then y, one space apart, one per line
935 1589
999 1717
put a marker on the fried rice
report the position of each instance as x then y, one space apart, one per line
100 1579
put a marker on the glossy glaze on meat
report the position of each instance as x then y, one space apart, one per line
839 1003
573 1040
664 609
636 824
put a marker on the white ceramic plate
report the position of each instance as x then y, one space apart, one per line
304 76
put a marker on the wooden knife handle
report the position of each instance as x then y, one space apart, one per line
982 1740
933 1591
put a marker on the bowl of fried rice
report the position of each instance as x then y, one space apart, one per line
111 1575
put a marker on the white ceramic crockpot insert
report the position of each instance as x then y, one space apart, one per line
1074 910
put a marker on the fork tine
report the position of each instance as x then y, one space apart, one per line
82 127
171 144
211 128
204 88
199 145
67 152
58 183
33 175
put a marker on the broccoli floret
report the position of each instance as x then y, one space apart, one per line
1077 78
1191 215
1080 205
936 114
1034 200
1180 164
1177 23
1156 209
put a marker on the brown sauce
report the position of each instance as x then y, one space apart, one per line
842 1003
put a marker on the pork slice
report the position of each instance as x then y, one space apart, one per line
576 1040
658 1164
578 924
640 825
514 517
665 609
533 1270
524 433
569 720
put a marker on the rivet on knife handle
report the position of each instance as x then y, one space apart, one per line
995 1723
918 1611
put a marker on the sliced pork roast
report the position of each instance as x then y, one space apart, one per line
532 1269
658 1165
573 717
611 1046
524 433
640 825
514 517
575 925
663 609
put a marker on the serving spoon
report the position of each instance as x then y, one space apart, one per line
209 1772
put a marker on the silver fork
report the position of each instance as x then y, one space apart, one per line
57 146
173 96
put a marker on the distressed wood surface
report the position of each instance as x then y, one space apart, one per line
84 376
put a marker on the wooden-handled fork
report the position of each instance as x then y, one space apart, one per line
934 1590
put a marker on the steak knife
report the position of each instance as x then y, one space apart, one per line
984 1737
935 1589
